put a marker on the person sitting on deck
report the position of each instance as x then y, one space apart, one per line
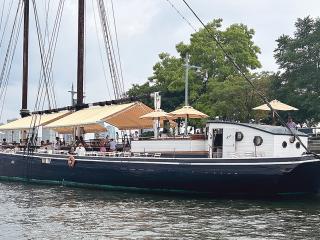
291 123
80 150
136 135
113 145
103 143
71 151
57 144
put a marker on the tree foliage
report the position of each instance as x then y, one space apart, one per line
224 93
298 82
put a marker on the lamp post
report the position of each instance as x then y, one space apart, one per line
186 90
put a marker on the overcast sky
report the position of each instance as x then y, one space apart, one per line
145 28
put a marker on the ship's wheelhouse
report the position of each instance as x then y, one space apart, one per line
238 140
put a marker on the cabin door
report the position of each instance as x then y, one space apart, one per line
216 137
229 142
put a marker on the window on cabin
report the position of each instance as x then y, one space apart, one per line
239 136
284 144
257 140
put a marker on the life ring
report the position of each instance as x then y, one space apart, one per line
71 161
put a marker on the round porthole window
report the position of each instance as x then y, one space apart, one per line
284 144
292 139
239 136
298 145
257 140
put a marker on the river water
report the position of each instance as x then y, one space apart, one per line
56 212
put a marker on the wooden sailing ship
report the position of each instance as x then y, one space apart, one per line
229 159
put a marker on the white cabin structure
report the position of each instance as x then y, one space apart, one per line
229 140
241 140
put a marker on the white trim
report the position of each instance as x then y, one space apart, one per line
194 163
182 163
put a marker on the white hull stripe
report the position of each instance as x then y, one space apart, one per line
180 163
194 163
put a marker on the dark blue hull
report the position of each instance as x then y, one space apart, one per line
209 176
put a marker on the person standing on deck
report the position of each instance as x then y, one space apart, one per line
291 123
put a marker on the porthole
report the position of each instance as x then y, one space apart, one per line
298 145
239 136
284 144
292 139
257 140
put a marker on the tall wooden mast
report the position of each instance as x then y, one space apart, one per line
80 53
24 106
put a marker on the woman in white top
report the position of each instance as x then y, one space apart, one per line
80 150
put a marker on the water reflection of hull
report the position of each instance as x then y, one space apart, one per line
214 176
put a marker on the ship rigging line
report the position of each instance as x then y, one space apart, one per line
181 15
3 5
48 55
236 66
117 45
6 22
112 60
46 70
100 50
12 44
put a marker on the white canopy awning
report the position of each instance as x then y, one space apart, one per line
33 120
122 116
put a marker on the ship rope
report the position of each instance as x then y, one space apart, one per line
116 77
47 56
6 22
2 9
46 85
243 74
103 64
9 55
181 15
117 45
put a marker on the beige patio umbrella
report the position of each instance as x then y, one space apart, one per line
276 105
188 112
157 114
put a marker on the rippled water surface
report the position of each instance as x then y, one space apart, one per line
54 212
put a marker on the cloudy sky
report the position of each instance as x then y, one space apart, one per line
145 28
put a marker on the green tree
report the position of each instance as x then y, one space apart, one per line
224 93
298 82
